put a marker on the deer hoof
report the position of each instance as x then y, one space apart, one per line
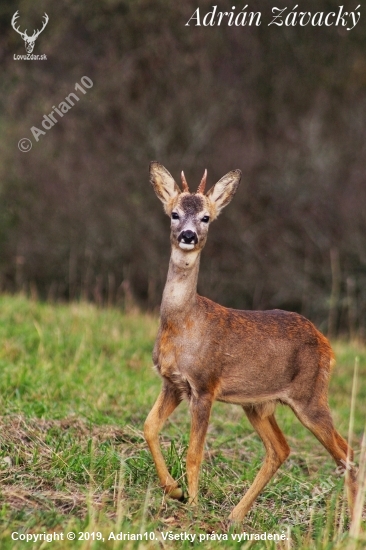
233 524
176 493
235 518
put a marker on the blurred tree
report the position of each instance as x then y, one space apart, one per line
285 105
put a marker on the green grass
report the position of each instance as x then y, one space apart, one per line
76 387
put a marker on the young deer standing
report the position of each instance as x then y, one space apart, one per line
255 359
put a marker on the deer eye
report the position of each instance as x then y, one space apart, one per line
205 219
175 216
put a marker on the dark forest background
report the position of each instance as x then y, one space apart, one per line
78 218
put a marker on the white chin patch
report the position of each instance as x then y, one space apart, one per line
186 246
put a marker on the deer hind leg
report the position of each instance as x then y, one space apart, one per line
317 418
277 450
165 404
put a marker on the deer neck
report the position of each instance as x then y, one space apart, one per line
179 296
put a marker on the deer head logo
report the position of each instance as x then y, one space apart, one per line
29 40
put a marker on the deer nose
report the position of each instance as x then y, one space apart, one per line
188 237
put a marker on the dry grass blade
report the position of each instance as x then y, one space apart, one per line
355 528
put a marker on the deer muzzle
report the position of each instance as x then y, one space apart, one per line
187 239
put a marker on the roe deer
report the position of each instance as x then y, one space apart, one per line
255 359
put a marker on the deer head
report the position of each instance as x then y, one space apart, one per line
191 213
29 40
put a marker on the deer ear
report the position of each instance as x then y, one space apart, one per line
164 185
223 191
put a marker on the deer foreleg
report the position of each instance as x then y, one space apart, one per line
200 415
165 404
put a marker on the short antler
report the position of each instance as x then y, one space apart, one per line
202 185
184 183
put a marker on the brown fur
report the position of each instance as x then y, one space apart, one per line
257 359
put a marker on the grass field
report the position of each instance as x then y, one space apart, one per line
76 387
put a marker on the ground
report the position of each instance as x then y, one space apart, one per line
76 385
